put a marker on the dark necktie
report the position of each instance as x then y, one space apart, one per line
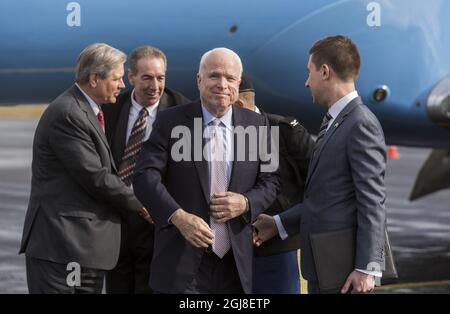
323 128
101 119
134 145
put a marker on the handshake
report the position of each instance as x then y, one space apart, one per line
144 214
264 228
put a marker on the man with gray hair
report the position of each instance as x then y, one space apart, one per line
72 227
203 207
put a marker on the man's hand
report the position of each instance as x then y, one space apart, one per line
361 282
264 228
144 214
227 205
193 228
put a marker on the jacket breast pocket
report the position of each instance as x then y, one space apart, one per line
75 212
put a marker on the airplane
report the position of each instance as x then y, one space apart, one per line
404 45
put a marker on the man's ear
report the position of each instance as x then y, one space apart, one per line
325 71
93 78
240 103
131 78
198 80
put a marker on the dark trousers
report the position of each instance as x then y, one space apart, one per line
276 274
49 278
132 272
313 287
216 275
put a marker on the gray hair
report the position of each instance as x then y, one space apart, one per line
144 52
98 58
215 50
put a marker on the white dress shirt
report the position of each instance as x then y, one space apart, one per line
134 114
227 127
339 105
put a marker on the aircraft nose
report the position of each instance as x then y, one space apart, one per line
438 103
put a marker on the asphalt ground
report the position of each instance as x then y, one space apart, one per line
419 231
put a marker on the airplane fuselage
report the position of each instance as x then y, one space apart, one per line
404 47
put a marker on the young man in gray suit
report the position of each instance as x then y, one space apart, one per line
345 182
72 227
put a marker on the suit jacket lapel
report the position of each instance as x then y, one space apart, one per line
120 136
84 105
237 166
336 123
194 111
163 102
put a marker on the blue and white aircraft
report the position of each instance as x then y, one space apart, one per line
404 45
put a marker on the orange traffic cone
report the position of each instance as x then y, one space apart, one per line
393 153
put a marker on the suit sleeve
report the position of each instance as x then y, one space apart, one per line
291 219
367 158
150 171
299 145
267 185
74 147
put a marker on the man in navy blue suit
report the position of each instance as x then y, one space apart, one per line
203 203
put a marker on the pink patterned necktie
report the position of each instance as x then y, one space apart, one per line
219 183
101 119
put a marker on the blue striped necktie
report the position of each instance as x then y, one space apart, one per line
323 128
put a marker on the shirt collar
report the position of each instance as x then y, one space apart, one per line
150 109
225 119
94 106
339 105
257 110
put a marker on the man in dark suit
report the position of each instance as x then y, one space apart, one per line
204 197
276 265
72 227
133 116
345 183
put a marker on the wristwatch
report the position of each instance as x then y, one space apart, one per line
247 204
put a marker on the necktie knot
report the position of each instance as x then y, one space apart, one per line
215 122
327 118
143 113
